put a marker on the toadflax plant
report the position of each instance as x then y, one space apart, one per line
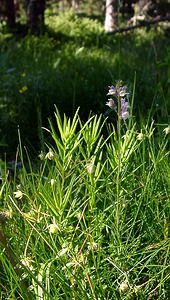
118 103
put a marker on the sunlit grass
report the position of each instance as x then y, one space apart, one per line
73 229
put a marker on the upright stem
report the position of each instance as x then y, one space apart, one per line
119 165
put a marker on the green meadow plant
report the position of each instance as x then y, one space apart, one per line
91 221
81 30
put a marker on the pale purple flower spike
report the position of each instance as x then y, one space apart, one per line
119 92
112 90
111 103
122 91
124 109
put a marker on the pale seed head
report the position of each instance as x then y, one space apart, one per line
52 181
140 136
53 228
50 155
167 130
90 168
124 287
18 194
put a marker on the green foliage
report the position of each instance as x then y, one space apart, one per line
92 220
81 30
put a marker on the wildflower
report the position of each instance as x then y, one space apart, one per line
118 91
18 194
140 136
111 103
50 155
167 130
53 228
122 91
27 262
112 90
124 109
52 181
124 287
23 89
90 168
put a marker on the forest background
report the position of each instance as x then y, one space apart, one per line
68 52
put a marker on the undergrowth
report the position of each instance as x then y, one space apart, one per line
70 66
92 221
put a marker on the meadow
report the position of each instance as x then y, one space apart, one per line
84 205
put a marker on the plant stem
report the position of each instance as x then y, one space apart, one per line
119 166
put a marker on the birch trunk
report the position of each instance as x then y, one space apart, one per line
111 15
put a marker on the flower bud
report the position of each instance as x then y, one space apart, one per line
50 155
140 136
18 194
124 287
53 228
90 168
52 181
167 130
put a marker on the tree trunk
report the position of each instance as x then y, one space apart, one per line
35 14
10 13
75 4
111 15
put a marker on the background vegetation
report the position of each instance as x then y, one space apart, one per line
71 65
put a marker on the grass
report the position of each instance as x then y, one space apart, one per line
92 222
